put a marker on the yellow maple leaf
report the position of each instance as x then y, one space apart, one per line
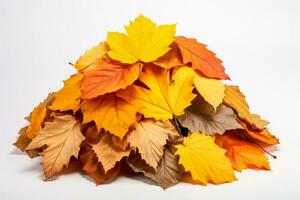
144 41
62 138
109 112
206 161
165 98
212 90
84 63
68 97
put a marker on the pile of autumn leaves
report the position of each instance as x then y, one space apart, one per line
152 103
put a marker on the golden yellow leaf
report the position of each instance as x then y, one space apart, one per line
144 41
109 112
235 99
36 119
106 152
149 137
206 162
242 153
62 138
84 63
212 90
68 97
164 98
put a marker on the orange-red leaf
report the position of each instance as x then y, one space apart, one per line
201 58
171 59
243 154
261 135
108 78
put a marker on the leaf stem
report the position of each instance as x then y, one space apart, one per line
259 146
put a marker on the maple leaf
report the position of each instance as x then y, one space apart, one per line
236 100
109 112
261 135
201 58
84 63
171 59
168 171
106 78
144 41
62 138
242 153
106 152
206 161
202 117
93 168
164 98
149 137
211 90
68 97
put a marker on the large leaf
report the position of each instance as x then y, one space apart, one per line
202 117
68 97
109 112
206 161
144 41
62 138
168 171
243 154
149 137
201 58
106 78
164 98
236 100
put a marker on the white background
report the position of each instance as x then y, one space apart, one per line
257 40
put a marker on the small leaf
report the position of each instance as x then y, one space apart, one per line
168 171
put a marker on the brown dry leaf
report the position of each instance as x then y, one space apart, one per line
106 152
62 139
201 116
170 59
168 171
235 99
242 154
149 137
93 168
